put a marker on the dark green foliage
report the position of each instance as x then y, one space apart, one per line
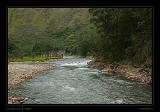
114 34
125 33
42 48
62 28
11 47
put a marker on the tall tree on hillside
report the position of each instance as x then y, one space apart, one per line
125 32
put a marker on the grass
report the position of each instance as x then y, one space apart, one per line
30 58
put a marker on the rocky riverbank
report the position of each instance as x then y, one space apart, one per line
128 71
18 72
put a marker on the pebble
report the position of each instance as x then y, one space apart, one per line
127 71
26 98
19 71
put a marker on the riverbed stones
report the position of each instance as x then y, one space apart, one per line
17 99
131 72
18 72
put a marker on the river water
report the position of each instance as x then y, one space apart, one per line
73 82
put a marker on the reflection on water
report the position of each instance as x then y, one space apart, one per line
72 82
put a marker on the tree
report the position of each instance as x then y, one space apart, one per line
125 33
41 48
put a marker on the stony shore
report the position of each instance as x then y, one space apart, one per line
18 72
127 71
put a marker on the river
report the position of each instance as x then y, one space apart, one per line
73 82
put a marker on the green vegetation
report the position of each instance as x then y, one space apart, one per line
22 59
38 58
112 34
36 31
126 34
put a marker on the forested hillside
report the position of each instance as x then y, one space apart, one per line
80 55
113 34
55 29
126 33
